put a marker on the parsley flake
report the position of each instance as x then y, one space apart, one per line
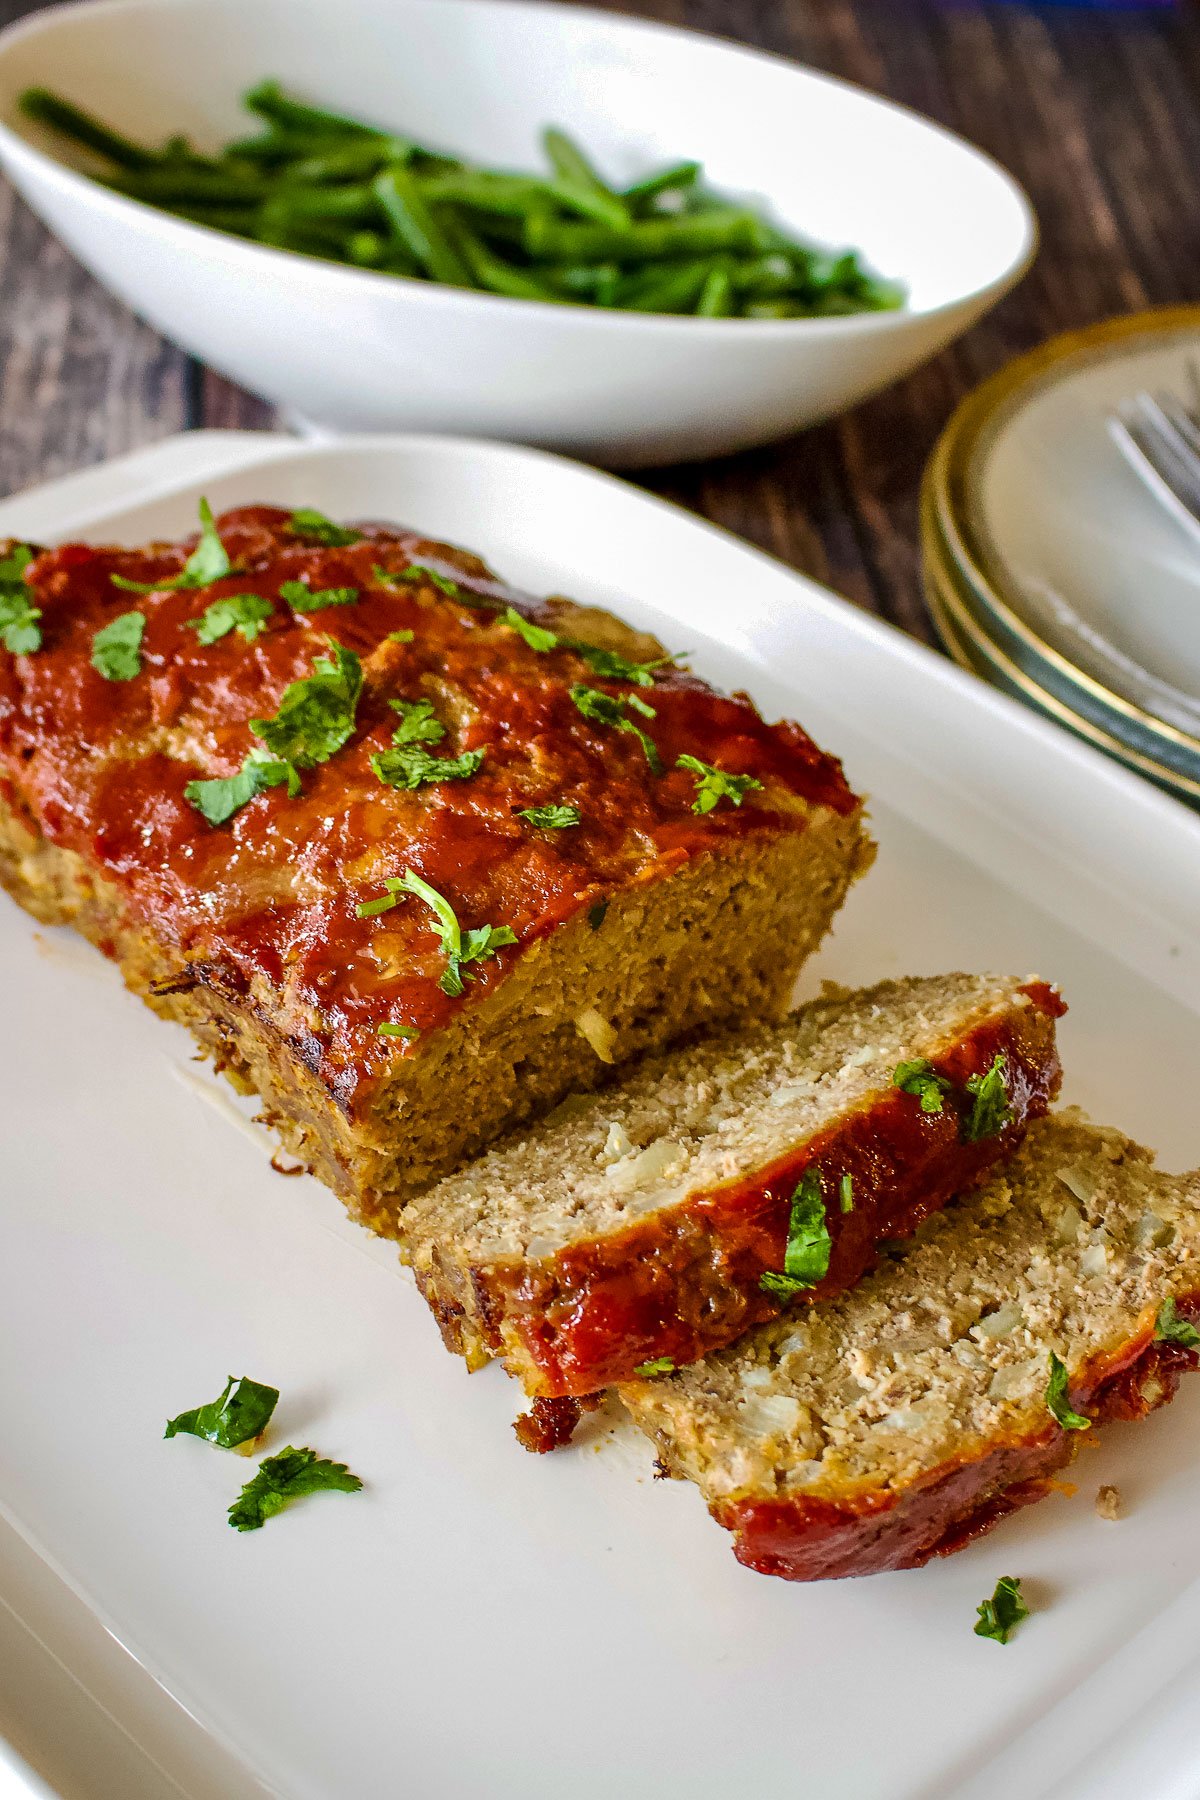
20 632
714 785
117 647
461 947
1000 1616
1058 1398
1170 1328
418 723
208 562
661 1365
240 1413
610 709
536 636
596 914
809 1245
316 714
217 800
246 614
302 598
610 667
551 818
406 1032
400 637
416 573
921 1079
409 767
846 1193
283 1478
307 522
992 1109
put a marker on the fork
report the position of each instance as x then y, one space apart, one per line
1159 437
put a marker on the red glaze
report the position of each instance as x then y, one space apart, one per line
267 902
819 1540
686 1280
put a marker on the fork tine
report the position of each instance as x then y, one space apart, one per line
1150 455
1165 445
1185 424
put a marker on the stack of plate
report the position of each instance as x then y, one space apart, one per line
1051 571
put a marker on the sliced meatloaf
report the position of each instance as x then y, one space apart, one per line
720 1184
412 855
907 1417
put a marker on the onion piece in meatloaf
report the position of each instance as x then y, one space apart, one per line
521 759
653 1220
907 1417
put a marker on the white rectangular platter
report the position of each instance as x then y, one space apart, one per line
478 1621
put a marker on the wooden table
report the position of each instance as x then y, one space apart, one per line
1098 114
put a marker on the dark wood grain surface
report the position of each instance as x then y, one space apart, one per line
1096 112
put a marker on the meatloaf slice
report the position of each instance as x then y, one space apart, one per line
907 1417
411 854
653 1220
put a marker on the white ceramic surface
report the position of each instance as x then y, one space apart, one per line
1092 560
481 1622
356 351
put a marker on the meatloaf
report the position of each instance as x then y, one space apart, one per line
411 855
719 1184
907 1417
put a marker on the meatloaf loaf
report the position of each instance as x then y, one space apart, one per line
716 1185
411 855
905 1418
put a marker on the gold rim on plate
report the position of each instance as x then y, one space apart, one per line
955 553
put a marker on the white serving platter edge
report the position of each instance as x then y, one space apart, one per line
478 1621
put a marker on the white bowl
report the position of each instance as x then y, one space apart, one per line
354 350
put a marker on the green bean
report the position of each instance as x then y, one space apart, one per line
514 196
73 122
716 296
671 288
577 177
676 179
295 205
646 241
269 101
347 162
584 281
496 275
766 276
165 186
415 226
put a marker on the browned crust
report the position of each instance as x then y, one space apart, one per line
376 1163
819 1540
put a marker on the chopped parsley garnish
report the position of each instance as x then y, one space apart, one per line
409 766
1000 1616
302 598
208 562
1169 1328
400 637
240 1412
418 723
460 947
609 709
247 614
283 1478
117 647
225 795
604 663
551 818
307 522
407 1032
316 715
662 1365
596 914
920 1078
992 1109
1058 1398
806 1259
714 785
416 573
846 1193
20 632
536 636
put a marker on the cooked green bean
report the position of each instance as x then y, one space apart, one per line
322 184
416 227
